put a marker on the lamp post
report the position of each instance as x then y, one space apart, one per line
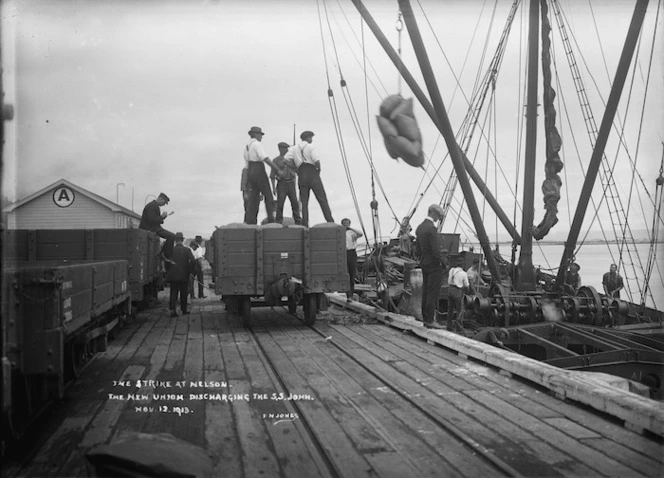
117 192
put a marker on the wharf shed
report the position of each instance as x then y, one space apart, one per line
64 205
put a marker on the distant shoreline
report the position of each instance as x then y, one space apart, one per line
595 242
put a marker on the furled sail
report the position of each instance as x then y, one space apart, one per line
400 132
552 183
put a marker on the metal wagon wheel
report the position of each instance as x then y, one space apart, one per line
292 304
245 310
310 305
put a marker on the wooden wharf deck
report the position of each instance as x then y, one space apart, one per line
368 400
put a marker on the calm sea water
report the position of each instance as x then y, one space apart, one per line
595 260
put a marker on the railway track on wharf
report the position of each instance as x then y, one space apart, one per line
346 397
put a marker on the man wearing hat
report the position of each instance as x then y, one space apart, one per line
432 263
152 219
178 274
286 186
307 162
257 180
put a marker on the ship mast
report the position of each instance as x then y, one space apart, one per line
525 279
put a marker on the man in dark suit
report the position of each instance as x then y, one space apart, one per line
152 219
178 274
432 263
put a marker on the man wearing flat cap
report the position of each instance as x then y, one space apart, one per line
152 219
286 186
258 183
307 161
432 262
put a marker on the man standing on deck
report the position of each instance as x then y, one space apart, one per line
306 160
474 274
152 219
458 286
257 180
178 275
352 235
612 282
286 185
572 278
432 263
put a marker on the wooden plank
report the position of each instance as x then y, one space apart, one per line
102 425
220 427
408 362
190 427
163 331
350 419
532 401
639 413
288 437
416 437
515 447
575 450
338 447
48 461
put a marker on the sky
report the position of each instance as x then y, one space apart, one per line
130 99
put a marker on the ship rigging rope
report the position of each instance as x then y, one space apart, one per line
594 81
355 121
624 236
657 213
337 126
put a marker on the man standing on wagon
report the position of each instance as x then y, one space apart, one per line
286 185
257 180
152 219
307 162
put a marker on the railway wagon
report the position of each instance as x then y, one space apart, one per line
138 247
275 261
54 316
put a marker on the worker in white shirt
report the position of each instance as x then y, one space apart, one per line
199 255
458 286
352 235
307 161
258 183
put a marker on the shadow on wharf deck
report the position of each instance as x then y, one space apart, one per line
366 400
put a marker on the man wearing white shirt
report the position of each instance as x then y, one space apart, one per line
352 235
199 254
307 161
258 183
458 285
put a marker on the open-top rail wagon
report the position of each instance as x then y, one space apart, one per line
138 247
275 261
55 315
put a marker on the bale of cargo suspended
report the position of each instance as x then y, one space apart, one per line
400 132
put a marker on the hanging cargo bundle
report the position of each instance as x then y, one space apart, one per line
400 132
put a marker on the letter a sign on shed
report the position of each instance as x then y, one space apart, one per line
63 196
